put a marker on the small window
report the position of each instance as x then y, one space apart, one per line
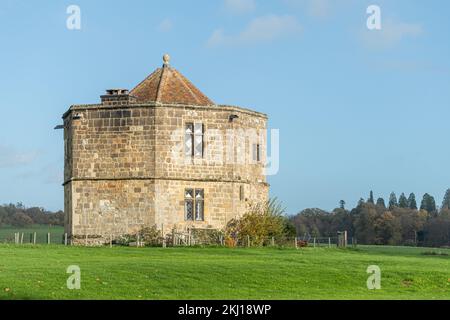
194 140
199 205
257 153
189 139
189 204
198 140
194 204
241 193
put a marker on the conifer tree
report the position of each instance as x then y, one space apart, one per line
428 203
371 200
393 200
381 203
446 201
412 203
402 201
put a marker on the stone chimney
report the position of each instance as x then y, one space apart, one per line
115 97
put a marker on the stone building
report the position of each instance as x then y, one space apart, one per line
161 154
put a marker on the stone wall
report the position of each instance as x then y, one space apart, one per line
222 203
215 165
102 209
123 168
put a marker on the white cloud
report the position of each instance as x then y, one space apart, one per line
240 6
259 30
391 33
10 157
319 8
165 26
314 8
54 174
49 174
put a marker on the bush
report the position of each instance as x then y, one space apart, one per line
206 236
150 236
20 219
125 239
262 221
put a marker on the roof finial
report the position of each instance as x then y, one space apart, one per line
166 59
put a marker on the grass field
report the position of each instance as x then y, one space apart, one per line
57 232
39 272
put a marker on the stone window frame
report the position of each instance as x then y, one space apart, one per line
256 152
194 199
192 137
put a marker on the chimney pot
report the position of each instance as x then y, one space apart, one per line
117 97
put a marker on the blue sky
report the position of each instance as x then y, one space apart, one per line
357 109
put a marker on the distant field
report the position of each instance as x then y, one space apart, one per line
39 272
56 233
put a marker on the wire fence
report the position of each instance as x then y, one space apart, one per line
32 238
189 240
186 239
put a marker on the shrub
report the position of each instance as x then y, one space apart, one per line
206 236
20 219
262 221
150 236
125 239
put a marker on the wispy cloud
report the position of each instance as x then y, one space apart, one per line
54 174
260 30
412 66
165 26
10 157
240 6
48 174
314 8
319 8
391 33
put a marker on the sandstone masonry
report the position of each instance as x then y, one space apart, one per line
162 154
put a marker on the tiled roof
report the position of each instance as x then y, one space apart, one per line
168 86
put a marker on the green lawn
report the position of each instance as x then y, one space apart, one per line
56 233
28 272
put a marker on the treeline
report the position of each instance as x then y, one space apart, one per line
18 216
399 222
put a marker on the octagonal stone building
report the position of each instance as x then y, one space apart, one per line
162 154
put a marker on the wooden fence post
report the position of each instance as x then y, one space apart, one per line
296 243
34 238
314 242
110 241
273 242
345 234
21 239
48 238
329 242
248 241
65 239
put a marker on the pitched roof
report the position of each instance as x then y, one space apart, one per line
168 86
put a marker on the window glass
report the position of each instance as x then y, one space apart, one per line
199 204
189 209
188 139
194 204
